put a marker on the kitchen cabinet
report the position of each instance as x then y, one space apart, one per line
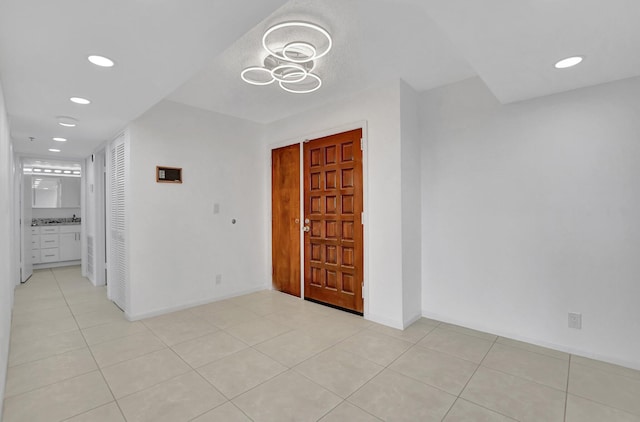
55 243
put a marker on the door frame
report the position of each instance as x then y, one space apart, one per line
301 139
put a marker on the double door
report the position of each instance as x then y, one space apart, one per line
330 227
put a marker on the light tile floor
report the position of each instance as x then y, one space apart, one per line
272 357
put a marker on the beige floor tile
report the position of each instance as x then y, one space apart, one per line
209 348
287 397
608 367
435 368
469 331
533 348
225 318
255 332
102 316
112 331
125 348
392 396
137 374
536 367
227 412
178 399
91 306
464 411
414 333
107 413
45 315
339 371
379 348
184 330
241 371
455 343
37 329
294 347
58 401
605 387
345 411
515 397
38 305
297 320
583 410
99 294
168 319
39 373
42 347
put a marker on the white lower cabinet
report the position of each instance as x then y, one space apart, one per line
69 246
56 244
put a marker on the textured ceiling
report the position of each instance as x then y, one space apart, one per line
374 41
192 51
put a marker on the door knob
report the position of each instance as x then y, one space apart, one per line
306 228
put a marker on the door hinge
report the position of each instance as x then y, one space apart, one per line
362 218
362 289
361 145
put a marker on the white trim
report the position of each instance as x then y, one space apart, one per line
188 305
411 320
385 321
44 266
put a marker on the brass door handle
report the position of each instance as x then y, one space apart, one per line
306 229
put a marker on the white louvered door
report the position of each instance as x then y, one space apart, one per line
117 252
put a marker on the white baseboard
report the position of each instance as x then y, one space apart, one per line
45 265
537 342
158 312
384 321
411 320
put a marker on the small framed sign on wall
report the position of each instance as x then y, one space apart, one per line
168 174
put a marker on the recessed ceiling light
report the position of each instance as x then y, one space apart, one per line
76 172
67 124
569 62
47 170
67 172
101 61
52 150
37 170
57 171
67 121
60 139
79 100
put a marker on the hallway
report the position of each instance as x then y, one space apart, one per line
271 357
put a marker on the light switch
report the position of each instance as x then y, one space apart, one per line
216 208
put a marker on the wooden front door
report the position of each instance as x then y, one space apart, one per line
285 223
333 204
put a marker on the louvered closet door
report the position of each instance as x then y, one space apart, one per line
117 259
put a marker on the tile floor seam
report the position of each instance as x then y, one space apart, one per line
636 415
531 351
522 378
48 356
476 370
93 357
566 396
91 410
99 369
608 372
488 408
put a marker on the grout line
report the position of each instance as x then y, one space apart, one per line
566 395
92 355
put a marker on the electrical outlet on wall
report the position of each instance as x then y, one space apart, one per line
575 320
218 278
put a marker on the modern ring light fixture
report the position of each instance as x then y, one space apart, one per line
291 63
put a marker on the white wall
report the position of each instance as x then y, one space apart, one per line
176 244
55 212
531 211
8 258
380 108
411 204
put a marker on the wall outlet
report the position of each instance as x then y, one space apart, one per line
575 320
218 278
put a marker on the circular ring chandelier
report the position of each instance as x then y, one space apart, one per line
291 63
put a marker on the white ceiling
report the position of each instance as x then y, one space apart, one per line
193 51
374 41
157 45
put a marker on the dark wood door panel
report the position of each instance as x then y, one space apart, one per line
333 205
285 223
